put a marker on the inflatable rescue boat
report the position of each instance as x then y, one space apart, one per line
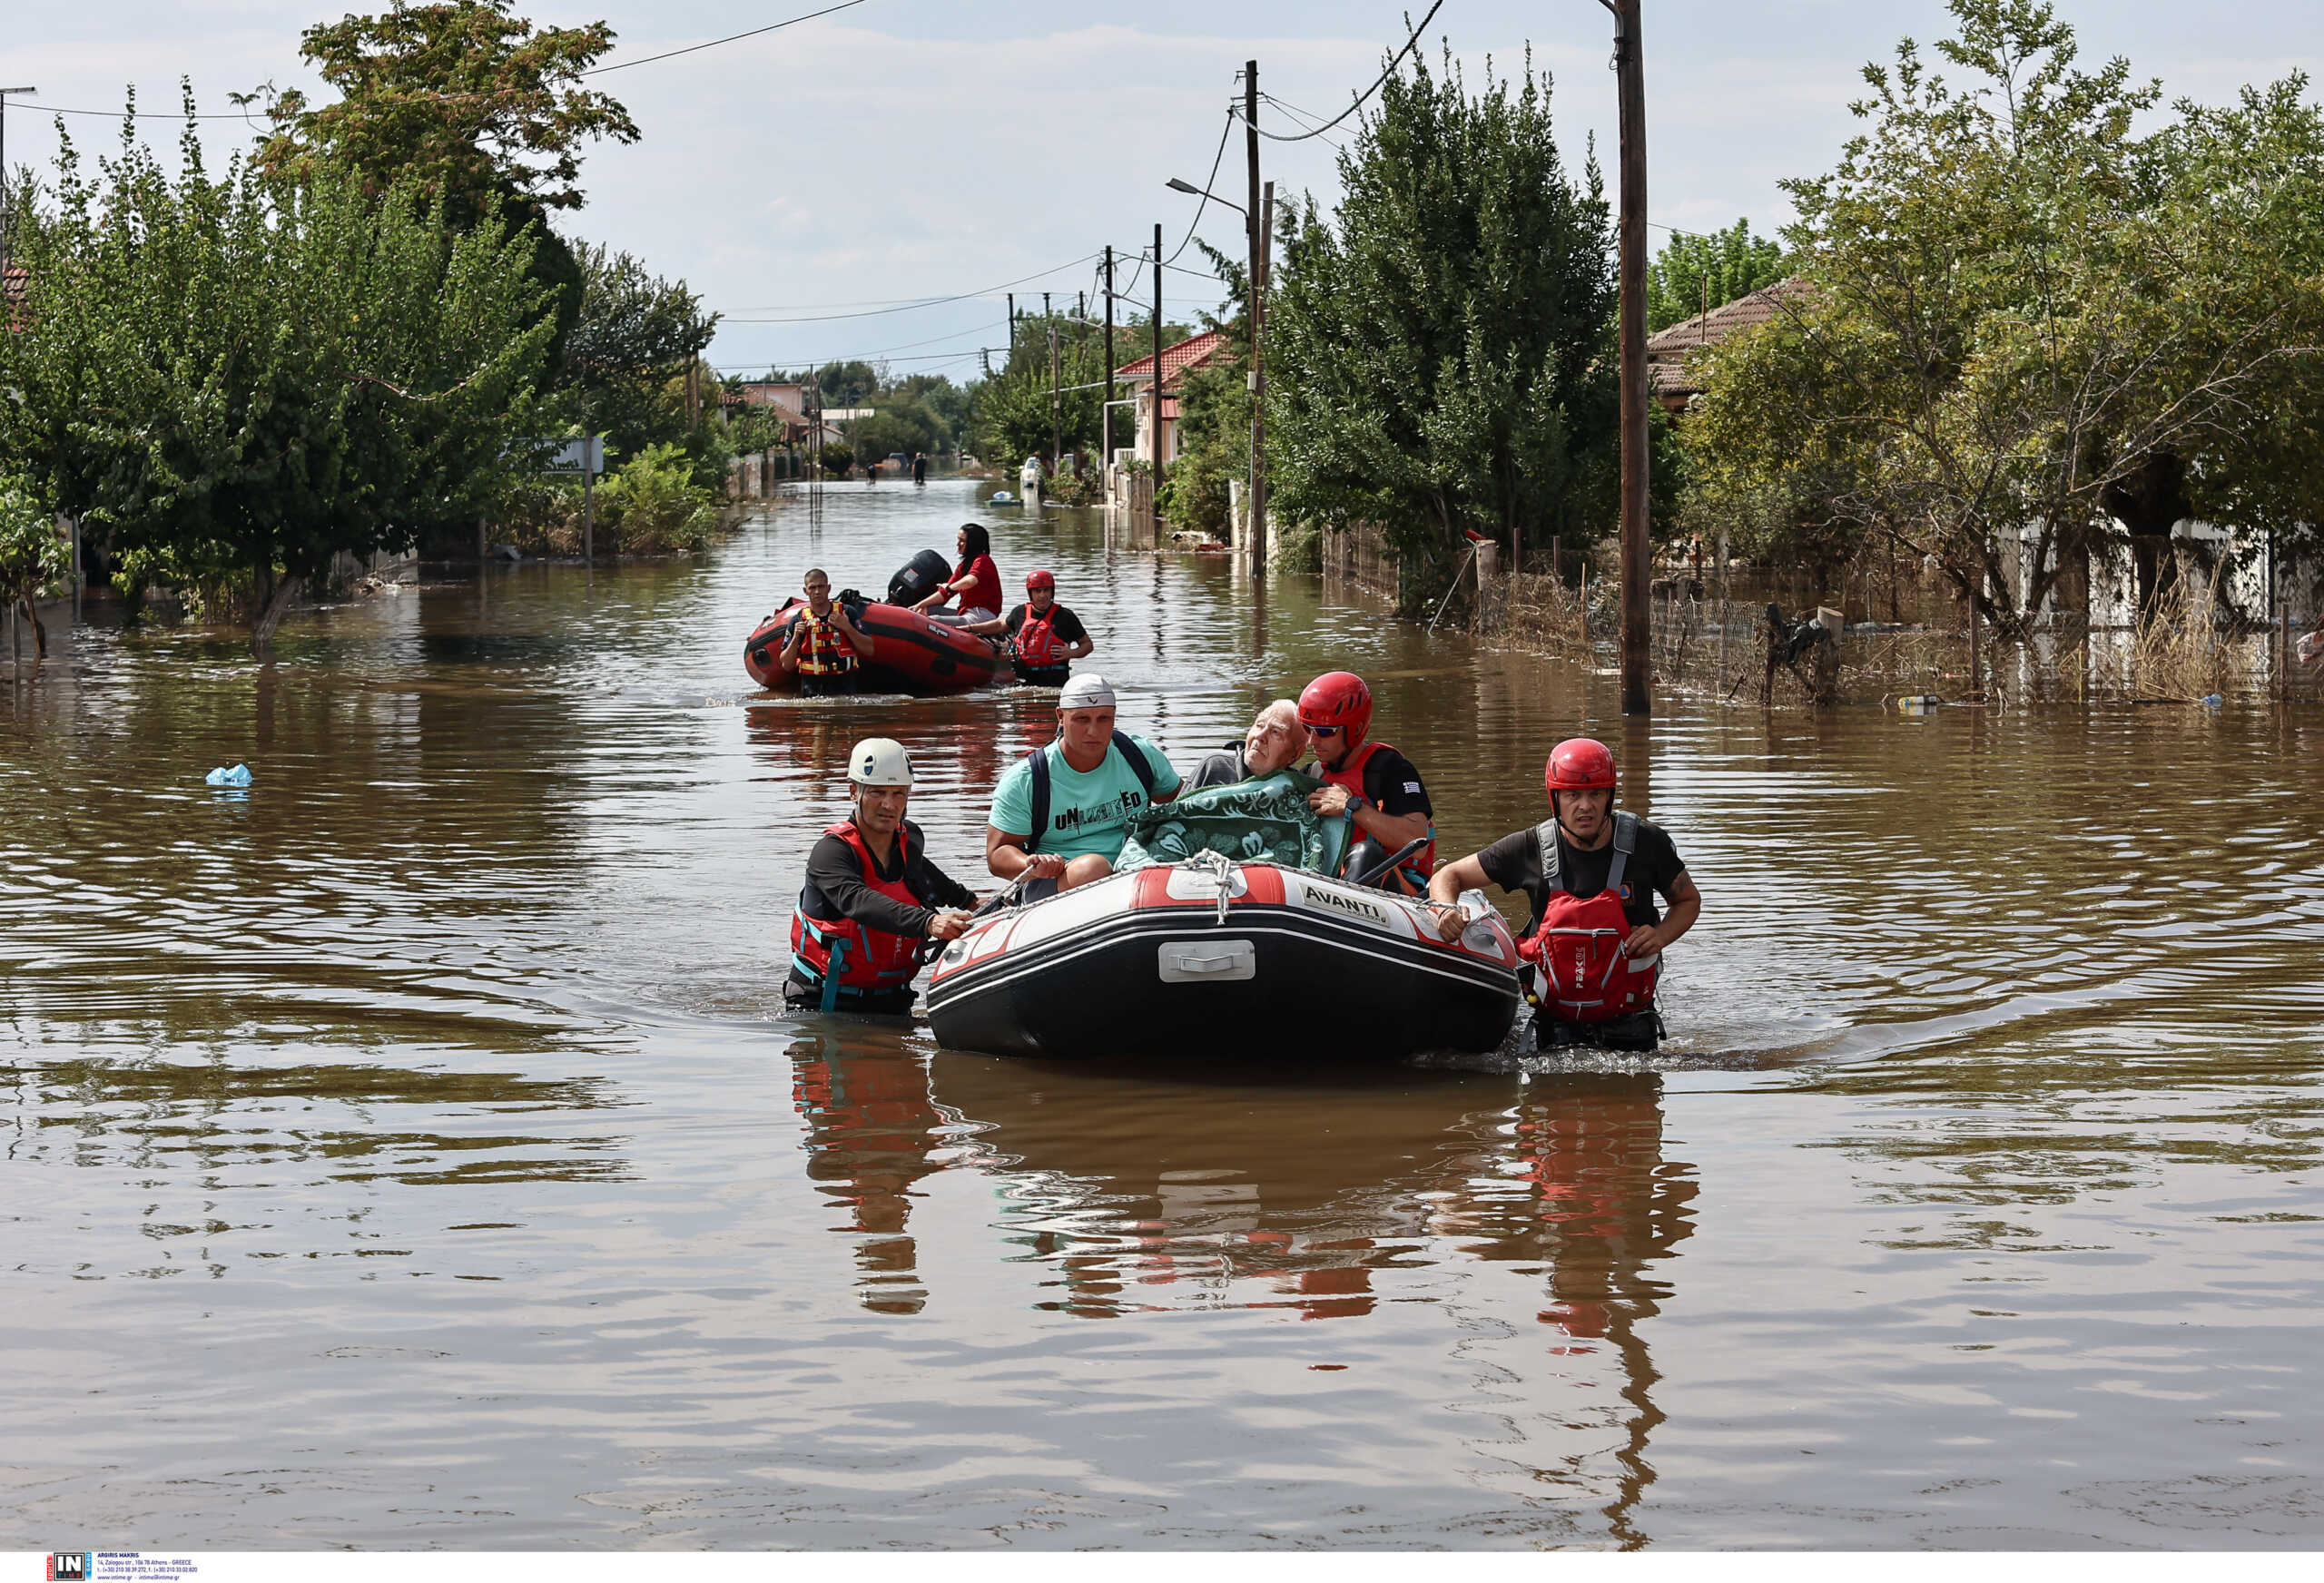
1212 956
910 653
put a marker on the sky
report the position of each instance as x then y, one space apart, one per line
809 181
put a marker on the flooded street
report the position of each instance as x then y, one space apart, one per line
413 1150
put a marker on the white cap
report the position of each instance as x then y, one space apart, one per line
880 760
1086 691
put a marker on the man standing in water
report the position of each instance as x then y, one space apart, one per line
1061 812
872 897
1044 637
1272 743
824 646
1592 875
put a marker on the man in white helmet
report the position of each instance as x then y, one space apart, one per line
1061 814
872 897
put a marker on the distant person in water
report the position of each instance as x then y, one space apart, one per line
919 467
1272 743
974 590
1044 637
825 646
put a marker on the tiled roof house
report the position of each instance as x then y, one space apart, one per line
1195 351
1670 353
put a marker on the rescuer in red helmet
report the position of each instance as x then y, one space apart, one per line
1595 941
1044 637
1370 781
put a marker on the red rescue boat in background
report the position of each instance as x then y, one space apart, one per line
910 653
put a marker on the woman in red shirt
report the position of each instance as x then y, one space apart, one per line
975 588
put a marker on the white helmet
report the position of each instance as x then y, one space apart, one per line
880 760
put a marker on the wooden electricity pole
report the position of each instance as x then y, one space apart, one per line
1254 217
1637 570
1056 399
1157 385
1106 422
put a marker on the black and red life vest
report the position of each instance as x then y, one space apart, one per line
824 649
1414 870
1577 942
845 958
1038 647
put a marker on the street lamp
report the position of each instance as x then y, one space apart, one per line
1254 490
1191 190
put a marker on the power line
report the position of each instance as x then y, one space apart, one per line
245 115
922 302
713 44
1207 181
1394 61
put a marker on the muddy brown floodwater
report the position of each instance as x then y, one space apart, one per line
413 1151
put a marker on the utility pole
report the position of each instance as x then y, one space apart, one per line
1106 423
1056 397
1255 219
1637 629
1012 326
4 171
1157 384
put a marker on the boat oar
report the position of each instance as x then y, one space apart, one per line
1371 875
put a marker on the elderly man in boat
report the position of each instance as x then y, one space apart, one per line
1061 812
1272 743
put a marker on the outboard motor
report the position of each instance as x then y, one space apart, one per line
921 576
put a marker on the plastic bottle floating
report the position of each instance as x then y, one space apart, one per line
239 775
1920 703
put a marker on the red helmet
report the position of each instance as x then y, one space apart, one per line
1338 698
1041 579
1579 763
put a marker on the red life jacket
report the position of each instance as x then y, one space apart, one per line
1578 943
847 958
825 650
1038 647
1414 870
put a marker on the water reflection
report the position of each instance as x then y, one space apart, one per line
1135 1193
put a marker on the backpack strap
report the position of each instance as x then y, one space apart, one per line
1625 843
1041 757
1545 836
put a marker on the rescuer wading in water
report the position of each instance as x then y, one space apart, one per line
872 896
1591 873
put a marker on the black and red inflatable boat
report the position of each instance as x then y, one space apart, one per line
910 653
1215 958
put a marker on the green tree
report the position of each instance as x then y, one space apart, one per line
461 105
1437 348
460 102
1694 273
627 353
241 378
2027 315
33 556
1013 415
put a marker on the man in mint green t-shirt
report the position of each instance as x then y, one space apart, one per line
1060 815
